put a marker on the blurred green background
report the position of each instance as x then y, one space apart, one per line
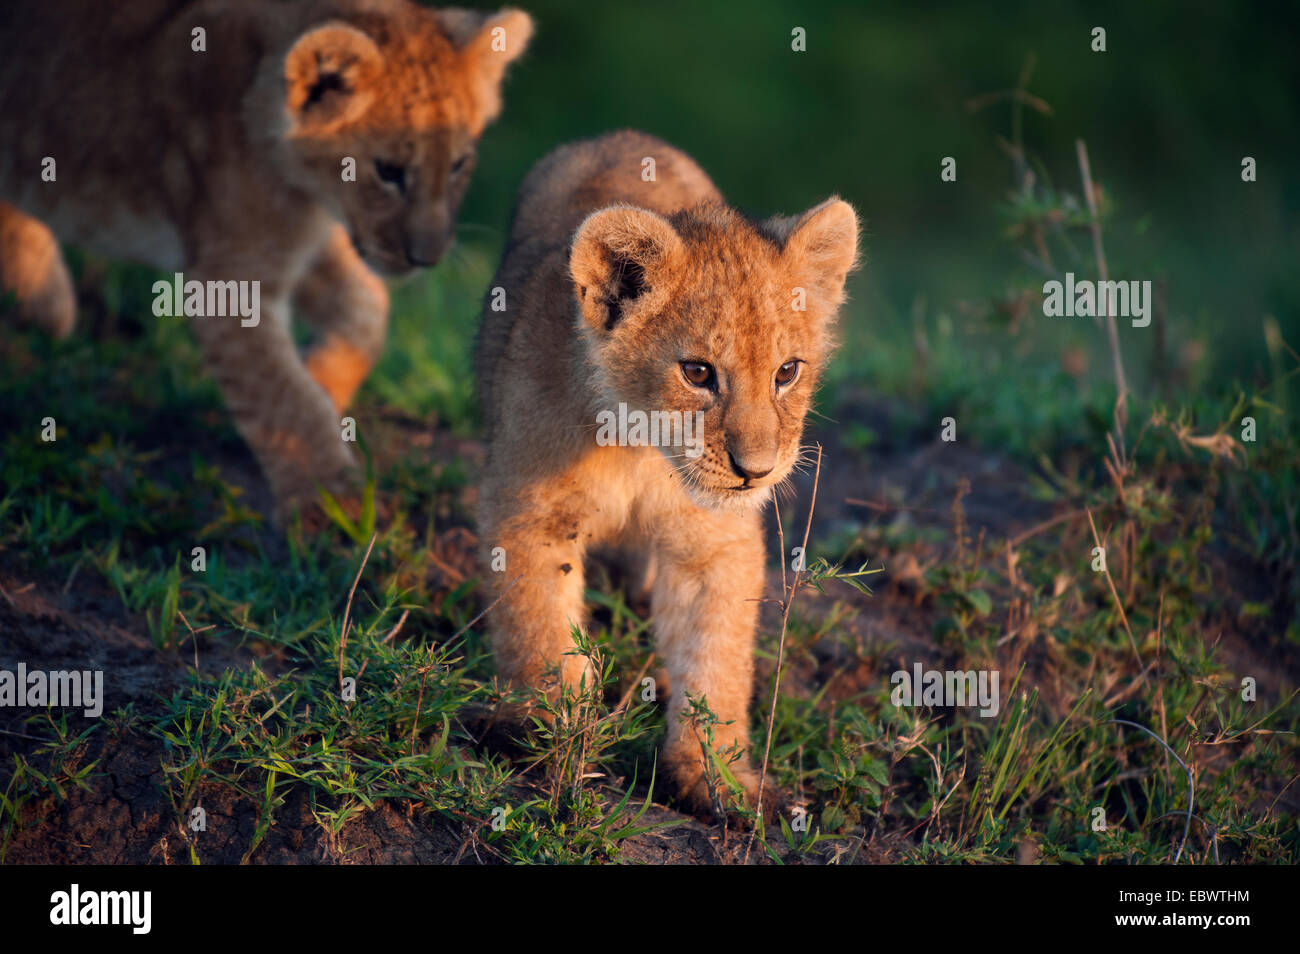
1183 92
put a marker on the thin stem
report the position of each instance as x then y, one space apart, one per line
1112 328
787 602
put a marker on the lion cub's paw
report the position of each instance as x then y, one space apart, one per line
693 791
301 498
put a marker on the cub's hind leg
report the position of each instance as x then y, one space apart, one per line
346 304
32 267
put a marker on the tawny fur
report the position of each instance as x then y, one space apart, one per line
611 282
227 165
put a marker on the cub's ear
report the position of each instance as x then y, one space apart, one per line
623 258
488 42
821 247
329 72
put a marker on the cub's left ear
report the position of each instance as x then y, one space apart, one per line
328 73
822 248
488 42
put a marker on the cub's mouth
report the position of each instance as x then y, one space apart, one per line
389 264
726 497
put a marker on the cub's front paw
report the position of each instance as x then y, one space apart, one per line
705 794
300 496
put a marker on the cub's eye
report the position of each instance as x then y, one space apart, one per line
390 173
698 374
460 165
786 374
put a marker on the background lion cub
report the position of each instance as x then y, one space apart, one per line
655 296
210 138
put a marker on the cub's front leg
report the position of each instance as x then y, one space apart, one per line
704 601
347 306
533 552
287 419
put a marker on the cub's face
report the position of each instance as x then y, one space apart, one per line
722 321
383 121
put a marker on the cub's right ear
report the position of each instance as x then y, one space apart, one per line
489 42
329 72
624 261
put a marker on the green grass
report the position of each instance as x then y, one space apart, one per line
979 789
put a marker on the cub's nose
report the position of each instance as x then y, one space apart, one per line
428 234
748 470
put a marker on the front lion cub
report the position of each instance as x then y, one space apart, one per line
640 310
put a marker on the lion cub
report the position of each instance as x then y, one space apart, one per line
633 294
270 153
